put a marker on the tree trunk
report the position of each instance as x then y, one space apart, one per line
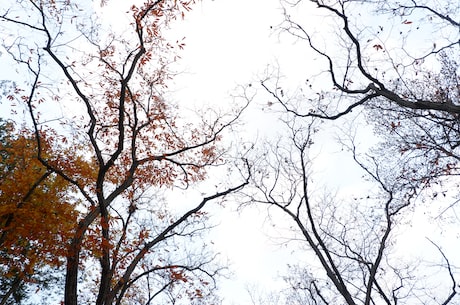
70 293
14 286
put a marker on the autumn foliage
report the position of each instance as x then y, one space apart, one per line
101 166
37 208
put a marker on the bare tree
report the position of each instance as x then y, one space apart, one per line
391 66
376 53
349 246
396 61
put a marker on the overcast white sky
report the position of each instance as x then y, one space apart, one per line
230 43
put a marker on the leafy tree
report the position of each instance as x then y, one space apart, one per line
126 242
37 212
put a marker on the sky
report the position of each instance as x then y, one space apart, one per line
231 43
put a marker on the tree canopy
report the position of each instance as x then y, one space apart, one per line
120 143
105 181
